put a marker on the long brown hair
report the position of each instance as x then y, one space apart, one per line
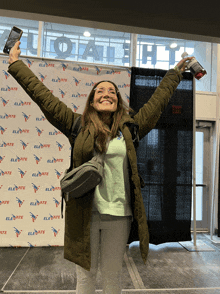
90 115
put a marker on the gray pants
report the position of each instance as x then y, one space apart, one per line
109 236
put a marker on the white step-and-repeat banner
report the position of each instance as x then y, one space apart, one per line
34 154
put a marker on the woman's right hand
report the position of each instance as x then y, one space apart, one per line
14 53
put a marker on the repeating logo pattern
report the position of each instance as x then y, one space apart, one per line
34 154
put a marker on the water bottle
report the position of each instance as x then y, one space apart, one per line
195 67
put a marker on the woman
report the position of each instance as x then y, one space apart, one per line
105 220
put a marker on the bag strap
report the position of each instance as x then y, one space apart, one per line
76 127
134 130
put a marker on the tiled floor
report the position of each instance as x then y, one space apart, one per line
170 269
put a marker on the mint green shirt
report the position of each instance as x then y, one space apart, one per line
112 195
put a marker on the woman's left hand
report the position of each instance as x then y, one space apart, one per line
182 63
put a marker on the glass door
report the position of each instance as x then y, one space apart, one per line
203 165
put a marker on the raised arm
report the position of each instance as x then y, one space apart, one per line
149 114
56 112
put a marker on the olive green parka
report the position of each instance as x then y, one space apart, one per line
78 211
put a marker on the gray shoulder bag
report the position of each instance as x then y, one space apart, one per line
79 181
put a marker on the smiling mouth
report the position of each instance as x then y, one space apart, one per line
106 101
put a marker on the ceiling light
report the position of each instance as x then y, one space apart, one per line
173 45
86 34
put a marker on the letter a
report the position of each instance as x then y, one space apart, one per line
93 53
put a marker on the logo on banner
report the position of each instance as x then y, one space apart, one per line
21 103
37 203
42 77
16 188
62 93
36 188
38 159
33 217
20 131
22 173
1 158
17 232
76 81
30 245
7 75
45 64
52 189
4 144
64 66
41 146
52 217
24 145
54 160
59 80
3 232
40 174
112 72
57 203
19 201
18 159
55 133
2 130
90 84
42 118
123 86
36 232
14 217
58 174
39 132
60 147
98 70
29 62
78 95
55 231
26 117
7 89
127 98
75 107
5 173
4 102
4 201
6 116
79 68
129 73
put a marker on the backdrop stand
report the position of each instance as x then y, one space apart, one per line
200 246
213 239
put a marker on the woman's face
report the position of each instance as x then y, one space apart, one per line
105 98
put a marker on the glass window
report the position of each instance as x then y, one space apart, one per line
111 54
165 53
111 47
68 42
82 48
29 39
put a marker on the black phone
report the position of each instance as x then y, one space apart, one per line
13 37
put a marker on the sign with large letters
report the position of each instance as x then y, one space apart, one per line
64 47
